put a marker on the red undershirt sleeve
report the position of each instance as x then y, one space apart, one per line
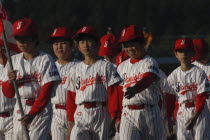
170 104
70 105
43 99
120 99
113 101
8 89
147 79
200 101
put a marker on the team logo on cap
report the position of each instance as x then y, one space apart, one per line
54 31
123 32
106 44
84 28
183 42
19 25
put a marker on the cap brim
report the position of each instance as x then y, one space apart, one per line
77 37
125 39
21 34
51 39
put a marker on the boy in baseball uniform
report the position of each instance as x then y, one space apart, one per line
62 43
91 85
6 109
109 48
141 116
201 58
189 84
36 75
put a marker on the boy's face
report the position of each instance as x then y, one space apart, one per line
183 55
88 47
62 49
134 50
25 44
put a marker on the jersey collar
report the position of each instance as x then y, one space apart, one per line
133 61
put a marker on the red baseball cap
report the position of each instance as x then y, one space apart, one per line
108 45
24 28
130 33
184 43
60 32
86 30
201 49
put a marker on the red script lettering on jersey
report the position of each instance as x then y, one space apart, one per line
132 80
186 88
99 79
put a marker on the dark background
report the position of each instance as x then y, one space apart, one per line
167 20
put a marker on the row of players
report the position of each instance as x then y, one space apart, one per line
94 99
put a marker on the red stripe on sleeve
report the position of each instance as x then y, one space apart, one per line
70 105
43 99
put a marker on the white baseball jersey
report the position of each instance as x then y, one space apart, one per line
6 105
205 67
132 73
137 124
185 85
60 97
33 73
59 126
90 80
31 76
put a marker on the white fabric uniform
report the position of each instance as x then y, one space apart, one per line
145 123
90 82
206 68
33 74
6 105
185 85
59 126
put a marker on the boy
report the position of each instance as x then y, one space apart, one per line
36 74
91 85
62 46
189 84
109 48
141 117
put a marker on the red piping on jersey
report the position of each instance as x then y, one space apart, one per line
200 101
8 89
147 79
43 99
70 105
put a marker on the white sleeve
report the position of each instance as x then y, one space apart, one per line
170 85
69 84
112 75
4 73
151 66
203 84
49 72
